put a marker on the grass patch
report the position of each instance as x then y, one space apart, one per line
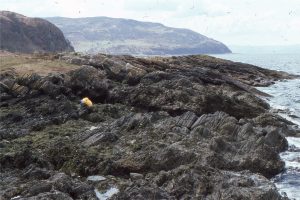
28 64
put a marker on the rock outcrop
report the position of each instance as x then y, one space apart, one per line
160 128
27 35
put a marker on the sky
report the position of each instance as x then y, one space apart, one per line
233 22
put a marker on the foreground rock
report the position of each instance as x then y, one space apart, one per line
160 128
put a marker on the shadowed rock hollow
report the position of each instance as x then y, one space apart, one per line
191 127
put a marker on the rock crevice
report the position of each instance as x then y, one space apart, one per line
159 128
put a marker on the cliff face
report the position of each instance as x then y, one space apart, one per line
23 34
123 36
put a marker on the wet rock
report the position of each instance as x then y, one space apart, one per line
36 173
58 186
136 176
55 195
88 82
4 87
42 187
171 157
213 121
188 127
10 134
144 192
94 117
187 120
106 137
228 155
7 80
4 97
200 132
269 119
186 182
54 85
20 159
275 139
134 71
65 184
15 116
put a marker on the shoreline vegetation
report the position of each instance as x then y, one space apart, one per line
179 127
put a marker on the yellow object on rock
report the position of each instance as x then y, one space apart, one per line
86 101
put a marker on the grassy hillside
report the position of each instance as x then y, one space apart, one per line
124 36
28 64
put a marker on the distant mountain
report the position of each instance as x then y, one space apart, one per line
19 33
124 36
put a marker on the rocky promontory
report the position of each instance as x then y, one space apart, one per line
19 33
188 127
127 36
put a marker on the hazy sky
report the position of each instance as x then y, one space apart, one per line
234 22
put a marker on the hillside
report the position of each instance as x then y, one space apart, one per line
124 36
19 33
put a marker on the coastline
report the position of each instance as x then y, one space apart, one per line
287 181
284 103
158 123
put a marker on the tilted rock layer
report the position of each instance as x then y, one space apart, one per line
160 128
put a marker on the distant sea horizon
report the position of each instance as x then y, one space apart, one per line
285 99
265 49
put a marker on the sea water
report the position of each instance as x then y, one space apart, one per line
288 182
286 100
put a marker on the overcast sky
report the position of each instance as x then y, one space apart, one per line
234 22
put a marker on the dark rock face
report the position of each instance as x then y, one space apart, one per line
160 128
123 36
27 35
200 183
58 186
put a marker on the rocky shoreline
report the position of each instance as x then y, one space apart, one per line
189 127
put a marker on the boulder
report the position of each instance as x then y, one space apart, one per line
90 82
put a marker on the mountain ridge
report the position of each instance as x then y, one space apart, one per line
128 36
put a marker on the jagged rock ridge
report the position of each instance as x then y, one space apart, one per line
189 127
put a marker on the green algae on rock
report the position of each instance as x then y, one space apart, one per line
190 127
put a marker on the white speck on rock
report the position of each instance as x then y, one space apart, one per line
106 195
93 128
96 178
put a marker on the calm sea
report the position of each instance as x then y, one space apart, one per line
286 99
